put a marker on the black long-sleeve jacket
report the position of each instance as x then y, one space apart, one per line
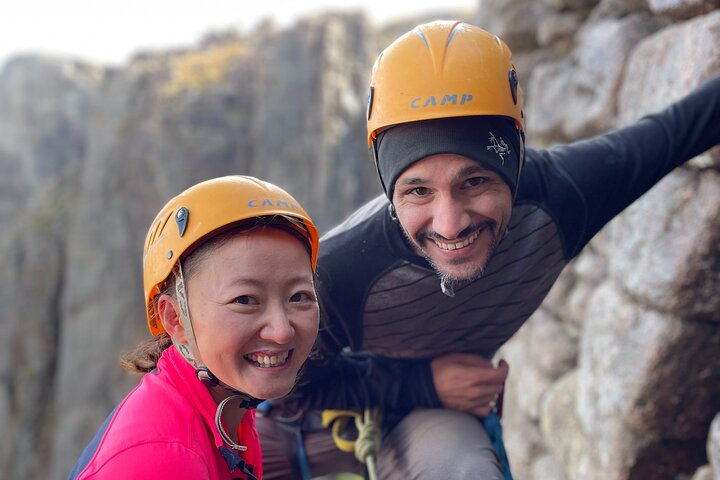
385 316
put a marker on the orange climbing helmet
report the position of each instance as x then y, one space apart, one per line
205 210
446 87
443 69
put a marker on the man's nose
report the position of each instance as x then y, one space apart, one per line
450 217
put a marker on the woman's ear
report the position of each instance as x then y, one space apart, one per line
169 313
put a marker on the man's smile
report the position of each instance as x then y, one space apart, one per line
458 244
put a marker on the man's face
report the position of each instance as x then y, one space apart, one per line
454 211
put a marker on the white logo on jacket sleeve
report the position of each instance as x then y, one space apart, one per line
498 146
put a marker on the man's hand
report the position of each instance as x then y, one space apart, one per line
468 383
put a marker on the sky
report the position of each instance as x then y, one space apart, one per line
110 32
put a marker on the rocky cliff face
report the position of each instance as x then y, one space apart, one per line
88 155
615 377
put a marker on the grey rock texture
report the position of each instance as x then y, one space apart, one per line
713 447
615 377
640 302
682 9
87 157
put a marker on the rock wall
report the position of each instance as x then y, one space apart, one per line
87 157
616 376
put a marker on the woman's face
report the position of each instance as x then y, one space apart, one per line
254 311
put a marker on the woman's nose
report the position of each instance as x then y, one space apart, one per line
277 327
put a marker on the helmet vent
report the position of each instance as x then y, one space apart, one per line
159 227
371 94
455 30
421 34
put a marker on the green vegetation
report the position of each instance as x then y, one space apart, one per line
201 69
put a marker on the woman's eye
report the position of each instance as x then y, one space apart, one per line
302 297
245 300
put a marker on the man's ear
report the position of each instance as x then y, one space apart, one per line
169 313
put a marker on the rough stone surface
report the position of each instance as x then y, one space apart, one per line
673 263
626 353
43 123
713 447
547 467
617 8
558 30
667 65
541 334
615 377
546 352
512 20
591 75
523 440
703 473
641 298
562 429
682 9
91 154
33 282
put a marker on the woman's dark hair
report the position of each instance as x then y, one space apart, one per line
144 357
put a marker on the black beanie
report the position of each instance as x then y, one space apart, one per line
491 141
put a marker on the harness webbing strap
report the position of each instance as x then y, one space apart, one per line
493 427
290 431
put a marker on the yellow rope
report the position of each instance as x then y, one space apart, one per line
367 444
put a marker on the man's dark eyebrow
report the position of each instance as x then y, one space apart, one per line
472 169
469 170
412 181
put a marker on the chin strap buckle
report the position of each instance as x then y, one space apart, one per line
206 376
210 380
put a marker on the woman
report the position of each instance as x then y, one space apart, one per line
228 275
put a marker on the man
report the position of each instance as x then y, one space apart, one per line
465 204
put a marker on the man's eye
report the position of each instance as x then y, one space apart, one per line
475 181
419 191
245 300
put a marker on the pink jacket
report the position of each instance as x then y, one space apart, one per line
165 429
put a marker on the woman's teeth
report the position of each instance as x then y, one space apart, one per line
268 360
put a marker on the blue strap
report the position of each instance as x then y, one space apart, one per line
302 459
264 407
305 470
493 427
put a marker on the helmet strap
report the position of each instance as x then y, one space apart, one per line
374 147
181 296
521 158
206 376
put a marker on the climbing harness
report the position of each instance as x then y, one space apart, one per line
367 444
493 427
369 424
290 430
